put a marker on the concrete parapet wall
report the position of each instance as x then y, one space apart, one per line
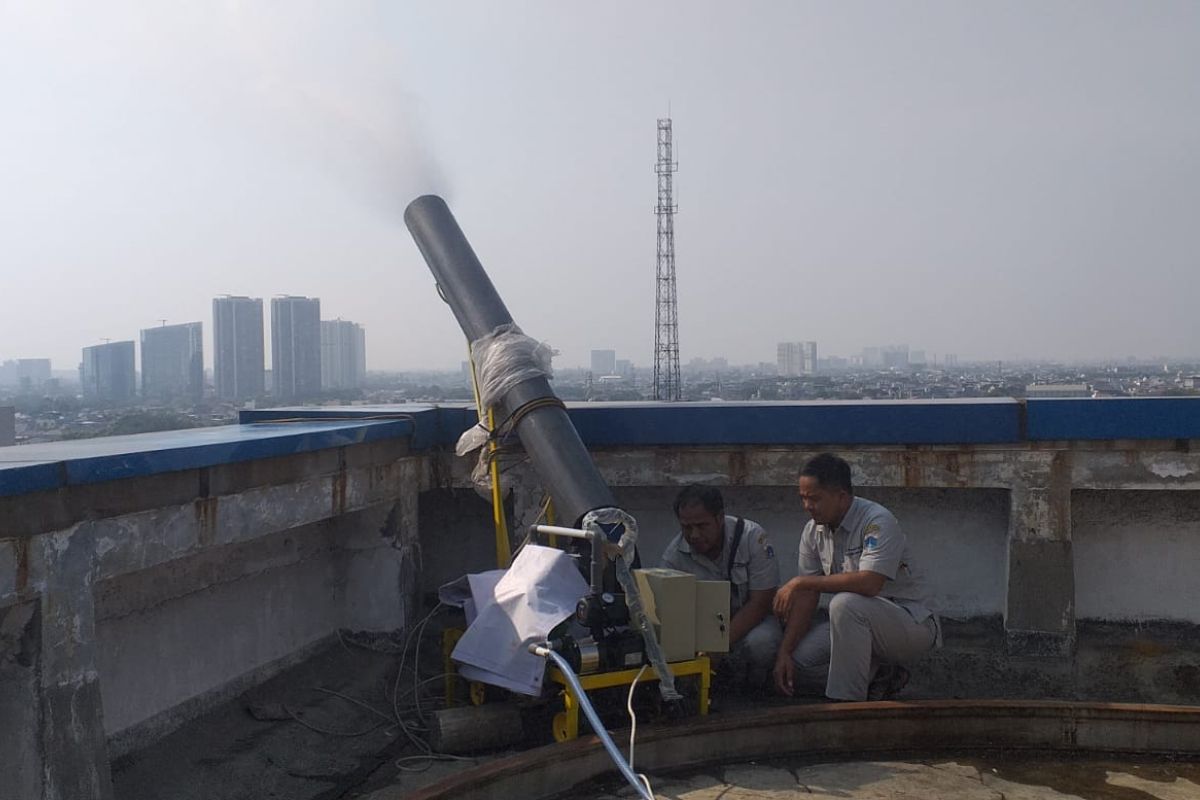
129 606
142 579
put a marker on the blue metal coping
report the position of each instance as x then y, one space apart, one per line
38 467
283 431
1110 418
799 423
719 423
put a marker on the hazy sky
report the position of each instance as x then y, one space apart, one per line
994 179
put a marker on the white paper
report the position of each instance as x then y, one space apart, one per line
469 591
535 594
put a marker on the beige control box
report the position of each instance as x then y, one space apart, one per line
688 615
712 616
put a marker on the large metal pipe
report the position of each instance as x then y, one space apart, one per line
558 455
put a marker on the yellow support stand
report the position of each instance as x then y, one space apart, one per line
450 638
503 546
566 722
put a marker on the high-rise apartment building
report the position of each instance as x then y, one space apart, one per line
343 354
108 374
8 426
238 360
173 363
808 358
295 347
604 362
26 374
793 359
895 356
788 359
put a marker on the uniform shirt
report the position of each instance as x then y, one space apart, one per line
754 565
868 538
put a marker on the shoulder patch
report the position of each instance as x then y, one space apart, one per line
762 539
870 543
770 551
872 528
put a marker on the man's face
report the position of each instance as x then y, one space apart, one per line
826 505
704 532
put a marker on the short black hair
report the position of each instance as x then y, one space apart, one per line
829 471
707 496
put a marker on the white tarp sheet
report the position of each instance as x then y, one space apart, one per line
534 595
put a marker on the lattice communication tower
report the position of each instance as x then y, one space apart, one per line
666 308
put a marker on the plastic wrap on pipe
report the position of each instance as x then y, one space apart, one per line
503 358
506 357
633 598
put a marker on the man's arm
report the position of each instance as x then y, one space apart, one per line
864 582
752 612
799 620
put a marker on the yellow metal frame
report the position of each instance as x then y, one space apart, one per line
476 691
450 637
566 722
503 546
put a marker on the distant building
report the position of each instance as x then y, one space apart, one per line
238 360
28 374
295 347
343 354
788 359
1041 391
793 359
950 360
895 356
624 368
8 426
916 358
808 358
173 363
108 374
604 362
32 373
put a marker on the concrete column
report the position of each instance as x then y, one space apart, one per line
1039 617
20 701
74 748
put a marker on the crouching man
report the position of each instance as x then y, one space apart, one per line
716 547
854 550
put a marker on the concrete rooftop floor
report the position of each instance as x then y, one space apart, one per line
325 730
985 779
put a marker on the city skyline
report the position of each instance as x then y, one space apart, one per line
1013 180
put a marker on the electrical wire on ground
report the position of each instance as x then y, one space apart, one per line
640 784
412 729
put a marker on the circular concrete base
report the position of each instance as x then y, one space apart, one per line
814 733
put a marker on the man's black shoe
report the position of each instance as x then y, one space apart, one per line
888 683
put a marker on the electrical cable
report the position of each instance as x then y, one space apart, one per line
424 750
327 732
633 716
643 789
357 702
633 726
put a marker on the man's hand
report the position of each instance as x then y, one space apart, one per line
783 600
785 672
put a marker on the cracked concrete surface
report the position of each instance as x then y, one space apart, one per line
923 780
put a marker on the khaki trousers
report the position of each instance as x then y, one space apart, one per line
862 632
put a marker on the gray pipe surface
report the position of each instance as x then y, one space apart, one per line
558 455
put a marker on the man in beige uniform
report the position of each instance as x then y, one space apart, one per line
855 550
716 547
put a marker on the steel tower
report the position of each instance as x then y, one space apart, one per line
666 309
